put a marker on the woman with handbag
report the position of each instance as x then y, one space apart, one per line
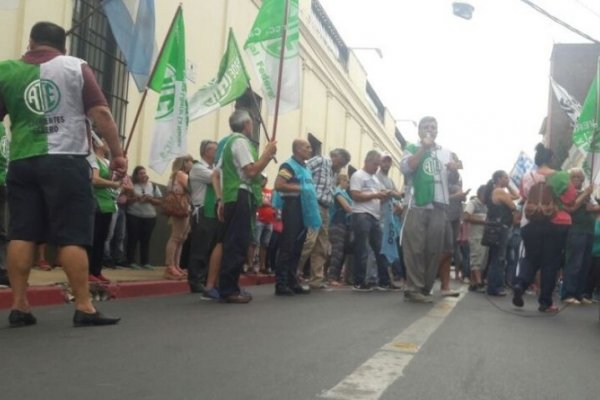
499 199
177 207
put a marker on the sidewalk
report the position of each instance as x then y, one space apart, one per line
51 288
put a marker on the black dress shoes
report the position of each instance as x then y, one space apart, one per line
18 318
282 290
239 298
299 289
94 319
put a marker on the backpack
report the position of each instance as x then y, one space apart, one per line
541 204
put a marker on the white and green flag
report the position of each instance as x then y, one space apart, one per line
231 82
588 121
169 139
264 47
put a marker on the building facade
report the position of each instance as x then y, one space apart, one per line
338 107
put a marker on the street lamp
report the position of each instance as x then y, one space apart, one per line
375 49
463 10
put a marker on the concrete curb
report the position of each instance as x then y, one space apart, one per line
56 294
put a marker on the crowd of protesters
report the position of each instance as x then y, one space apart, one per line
316 229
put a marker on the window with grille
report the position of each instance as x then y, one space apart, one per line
92 40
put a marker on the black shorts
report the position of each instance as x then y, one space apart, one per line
50 199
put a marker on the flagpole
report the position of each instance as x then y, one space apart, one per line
279 79
162 49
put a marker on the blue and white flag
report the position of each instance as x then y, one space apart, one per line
133 25
523 165
390 227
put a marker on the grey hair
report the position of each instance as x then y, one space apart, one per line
237 120
204 146
372 155
343 153
576 170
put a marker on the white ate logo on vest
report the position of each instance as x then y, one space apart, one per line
432 166
42 96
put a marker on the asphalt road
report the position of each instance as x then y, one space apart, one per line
324 345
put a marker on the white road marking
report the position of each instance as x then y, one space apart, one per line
373 377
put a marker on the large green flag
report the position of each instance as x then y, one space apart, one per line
264 47
171 121
587 124
231 82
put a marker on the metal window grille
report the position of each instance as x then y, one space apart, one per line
93 41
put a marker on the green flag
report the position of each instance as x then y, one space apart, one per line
231 82
587 124
264 47
171 121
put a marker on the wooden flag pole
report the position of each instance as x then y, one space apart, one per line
281 58
139 110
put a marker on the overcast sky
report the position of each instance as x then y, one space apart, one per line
485 79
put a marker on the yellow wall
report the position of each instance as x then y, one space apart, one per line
333 108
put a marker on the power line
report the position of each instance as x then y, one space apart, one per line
588 8
559 21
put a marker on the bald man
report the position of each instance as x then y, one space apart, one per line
300 212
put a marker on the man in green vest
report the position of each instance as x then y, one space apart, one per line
238 195
49 97
427 234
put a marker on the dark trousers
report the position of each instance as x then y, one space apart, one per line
291 242
497 264
367 232
203 238
337 238
2 229
273 250
139 230
579 262
238 216
96 251
544 246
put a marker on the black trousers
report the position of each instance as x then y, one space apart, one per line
139 230
96 252
236 240
544 247
291 242
203 238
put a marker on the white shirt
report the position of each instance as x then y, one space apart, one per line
362 181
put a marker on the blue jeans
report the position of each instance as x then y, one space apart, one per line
577 267
512 255
367 232
497 265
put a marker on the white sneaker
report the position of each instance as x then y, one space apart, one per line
572 300
449 293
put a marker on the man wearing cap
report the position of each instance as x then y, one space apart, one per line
316 246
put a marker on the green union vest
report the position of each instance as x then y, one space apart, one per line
46 107
231 179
